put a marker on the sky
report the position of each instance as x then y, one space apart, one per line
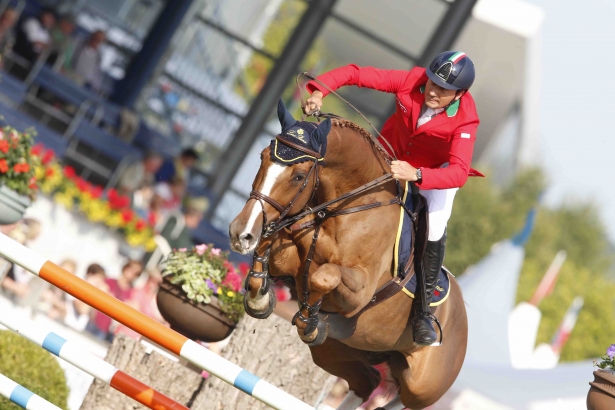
577 117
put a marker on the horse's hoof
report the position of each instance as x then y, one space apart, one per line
322 332
264 314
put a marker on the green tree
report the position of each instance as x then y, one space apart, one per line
485 214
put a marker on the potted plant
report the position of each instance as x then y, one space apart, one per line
201 296
601 395
18 185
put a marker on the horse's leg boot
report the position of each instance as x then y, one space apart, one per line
422 324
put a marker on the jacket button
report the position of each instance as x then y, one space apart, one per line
409 144
407 153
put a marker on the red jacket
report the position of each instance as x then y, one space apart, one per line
447 138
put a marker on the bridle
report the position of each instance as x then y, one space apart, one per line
269 228
321 213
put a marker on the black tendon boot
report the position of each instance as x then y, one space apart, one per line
422 325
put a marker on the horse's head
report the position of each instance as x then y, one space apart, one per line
285 180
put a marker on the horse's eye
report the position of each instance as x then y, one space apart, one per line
298 178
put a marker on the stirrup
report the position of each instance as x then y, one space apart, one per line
437 322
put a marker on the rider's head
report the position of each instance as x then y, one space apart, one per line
450 74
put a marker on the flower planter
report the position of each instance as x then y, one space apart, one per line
601 395
12 205
197 321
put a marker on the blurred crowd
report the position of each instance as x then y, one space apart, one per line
25 289
157 189
77 57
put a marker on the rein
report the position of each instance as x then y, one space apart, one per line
321 213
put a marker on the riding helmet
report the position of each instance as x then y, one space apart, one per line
452 70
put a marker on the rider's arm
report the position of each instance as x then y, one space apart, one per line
456 174
389 81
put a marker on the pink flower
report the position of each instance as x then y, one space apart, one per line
182 249
233 281
200 249
216 251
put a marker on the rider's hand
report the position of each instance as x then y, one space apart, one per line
403 171
313 103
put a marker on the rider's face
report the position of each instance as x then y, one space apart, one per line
438 97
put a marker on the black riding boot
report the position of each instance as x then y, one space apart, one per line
422 325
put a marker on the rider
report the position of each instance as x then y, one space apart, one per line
432 133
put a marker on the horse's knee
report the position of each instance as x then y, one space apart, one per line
326 278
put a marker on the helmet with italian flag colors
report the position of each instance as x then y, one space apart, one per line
452 70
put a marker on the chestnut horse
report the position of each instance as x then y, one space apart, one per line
351 259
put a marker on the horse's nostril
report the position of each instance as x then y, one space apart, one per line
246 237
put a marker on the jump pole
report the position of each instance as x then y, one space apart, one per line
22 396
148 327
84 360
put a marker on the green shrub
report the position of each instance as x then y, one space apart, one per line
33 367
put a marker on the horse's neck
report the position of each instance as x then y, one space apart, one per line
351 162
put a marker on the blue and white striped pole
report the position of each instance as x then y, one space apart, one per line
149 328
76 355
22 396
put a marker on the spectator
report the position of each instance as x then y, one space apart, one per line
144 300
54 298
179 167
177 230
120 289
17 278
78 314
88 62
33 35
170 195
8 18
140 174
61 37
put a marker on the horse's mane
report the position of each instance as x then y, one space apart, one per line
344 123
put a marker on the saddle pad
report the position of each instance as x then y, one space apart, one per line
403 250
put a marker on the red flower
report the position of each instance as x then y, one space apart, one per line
48 157
37 149
140 225
96 191
21 168
49 172
33 183
82 185
244 268
4 146
3 166
69 172
127 215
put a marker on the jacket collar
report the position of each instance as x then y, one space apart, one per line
439 119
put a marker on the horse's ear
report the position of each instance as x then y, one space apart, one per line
286 118
321 133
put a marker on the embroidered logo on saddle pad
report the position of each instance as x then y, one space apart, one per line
311 136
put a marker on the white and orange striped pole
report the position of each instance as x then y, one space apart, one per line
74 354
149 328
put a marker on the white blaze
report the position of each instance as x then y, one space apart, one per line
273 172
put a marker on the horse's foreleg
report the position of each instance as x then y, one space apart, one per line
326 278
349 364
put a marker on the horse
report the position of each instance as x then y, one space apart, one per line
337 254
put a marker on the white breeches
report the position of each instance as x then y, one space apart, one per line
440 204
